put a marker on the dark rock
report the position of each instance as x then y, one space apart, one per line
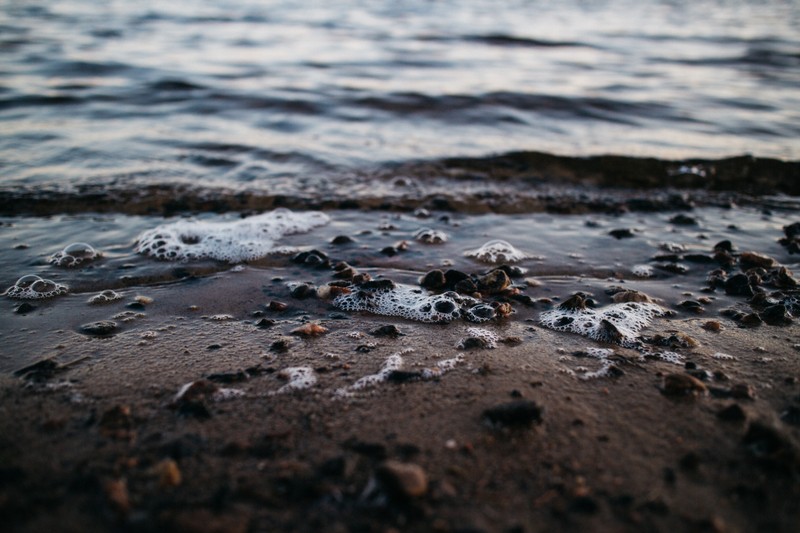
102 327
342 239
743 391
391 251
433 280
767 443
39 371
275 305
213 347
724 246
751 320
776 315
303 291
692 305
738 285
265 323
624 233
466 286
494 282
137 306
732 413
473 342
752 259
313 258
454 276
23 308
574 302
377 285
390 330
673 268
280 345
683 220
519 413
229 377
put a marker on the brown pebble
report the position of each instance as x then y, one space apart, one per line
751 320
520 413
403 479
117 423
683 385
275 305
712 325
168 473
743 391
311 329
753 259
116 491
630 296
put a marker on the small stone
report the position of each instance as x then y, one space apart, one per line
116 491
754 260
390 330
623 233
117 423
751 320
712 325
743 391
776 315
275 305
265 323
406 480
683 385
23 308
311 329
303 291
280 345
102 327
433 280
683 220
630 296
519 413
791 415
168 473
494 282
342 239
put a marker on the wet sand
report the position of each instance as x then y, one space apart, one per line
96 440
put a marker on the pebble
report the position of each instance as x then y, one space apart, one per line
519 413
712 325
23 308
275 305
342 239
623 233
102 327
407 480
683 385
752 259
116 491
389 330
683 220
311 329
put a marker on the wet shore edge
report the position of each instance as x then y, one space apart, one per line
516 182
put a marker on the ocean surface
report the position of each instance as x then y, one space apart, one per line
550 125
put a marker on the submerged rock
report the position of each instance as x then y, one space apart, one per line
516 414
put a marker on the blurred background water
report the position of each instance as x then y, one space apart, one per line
259 93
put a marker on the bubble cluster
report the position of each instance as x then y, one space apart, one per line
616 323
430 236
392 299
393 363
497 251
105 297
241 240
75 255
33 287
643 271
486 338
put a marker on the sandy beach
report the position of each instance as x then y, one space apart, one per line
516 437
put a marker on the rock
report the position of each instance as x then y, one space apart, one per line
751 320
516 414
623 233
724 246
390 330
752 259
433 280
313 258
732 413
630 296
683 385
791 415
23 308
116 491
406 480
494 282
743 391
342 239
683 220
303 291
275 305
102 327
280 345
776 315
766 443
265 323
738 285
39 371
168 473
311 329
712 325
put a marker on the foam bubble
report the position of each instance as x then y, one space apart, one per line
33 287
74 255
393 363
723 356
497 251
430 236
643 271
441 367
105 297
615 323
409 302
241 240
298 377
489 339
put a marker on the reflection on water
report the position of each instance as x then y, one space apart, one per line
237 92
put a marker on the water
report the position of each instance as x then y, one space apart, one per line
276 94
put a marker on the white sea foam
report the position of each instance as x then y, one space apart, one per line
393 363
74 255
236 241
413 303
616 323
298 377
33 287
497 251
